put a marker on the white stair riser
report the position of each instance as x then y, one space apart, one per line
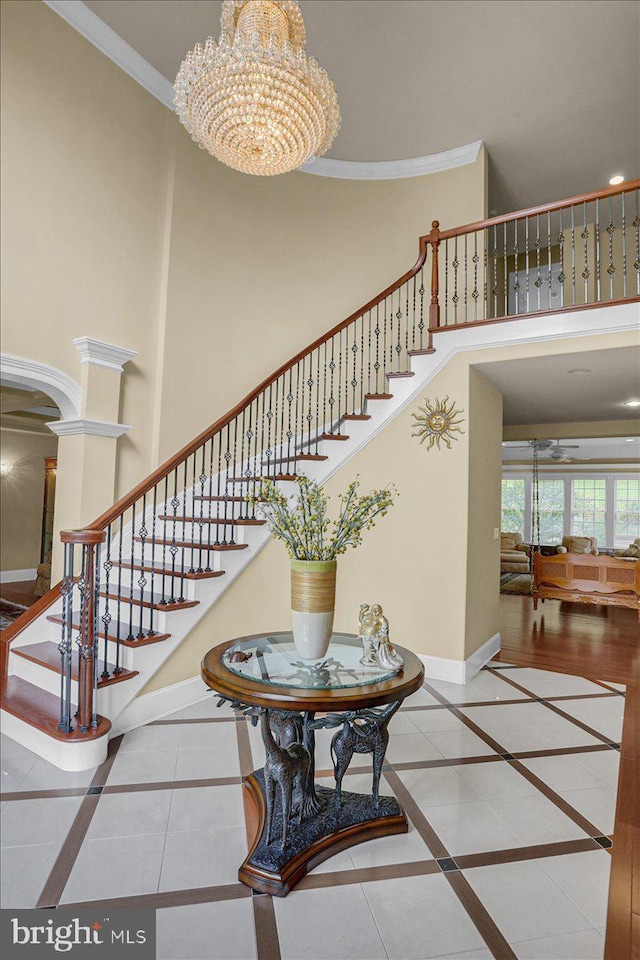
71 755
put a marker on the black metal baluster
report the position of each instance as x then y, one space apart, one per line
368 362
277 441
130 595
163 553
142 580
173 548
290 434
318 427
414 325
527 273
234 466
106 617
201 517
506 271
485 282
585 236
362 391
573 257
376 365
354 377
153 554
388 360
223 506
538 280
494 289
282 381
597 250
446 286
516 282
636 227
405 365
296 420
65 645
549 278
466 278
455 264
475 260
623 226
561 276
94 652
611 269
399 340
339 378
421 293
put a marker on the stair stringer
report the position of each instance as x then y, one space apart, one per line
116 701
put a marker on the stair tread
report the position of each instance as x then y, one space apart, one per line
239 522
402 373
421 353
131 594
220 498
168 572
378 396
47 654
257 478
124 632
41 709
357 416
188 544
295 457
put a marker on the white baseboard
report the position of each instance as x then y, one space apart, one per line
159 703
13 576
461 671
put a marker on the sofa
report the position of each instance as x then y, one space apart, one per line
514 554
578 545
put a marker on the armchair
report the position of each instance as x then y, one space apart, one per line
578 545
514 554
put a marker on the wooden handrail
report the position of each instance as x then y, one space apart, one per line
625 187
163 471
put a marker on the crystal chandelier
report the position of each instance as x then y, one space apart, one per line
253 99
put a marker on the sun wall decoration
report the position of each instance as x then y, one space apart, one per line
437 422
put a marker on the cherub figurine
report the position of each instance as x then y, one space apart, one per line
374 636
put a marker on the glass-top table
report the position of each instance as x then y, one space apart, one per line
274 660
302 822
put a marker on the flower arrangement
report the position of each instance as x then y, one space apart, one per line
302 524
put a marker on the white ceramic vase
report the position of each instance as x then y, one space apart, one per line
313 600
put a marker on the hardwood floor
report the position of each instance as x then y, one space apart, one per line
19 592
601 643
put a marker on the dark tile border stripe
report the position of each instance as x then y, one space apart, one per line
415 814
391 871
61 870
169 898
43 794
171 784
552 706
481 919
536 852
264 918
535 781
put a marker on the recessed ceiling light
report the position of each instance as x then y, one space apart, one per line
579 371
632 403
629 439
614 181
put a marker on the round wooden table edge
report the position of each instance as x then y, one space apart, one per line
228 684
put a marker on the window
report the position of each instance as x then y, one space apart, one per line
627 512
551 506
513 503
588 508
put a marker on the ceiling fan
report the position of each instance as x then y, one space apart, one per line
557 452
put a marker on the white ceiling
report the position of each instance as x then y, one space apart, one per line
541 389
551 86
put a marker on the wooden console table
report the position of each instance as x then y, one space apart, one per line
583 578
300 822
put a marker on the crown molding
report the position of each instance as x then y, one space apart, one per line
88 428
20 372
395 169
101 354
95 30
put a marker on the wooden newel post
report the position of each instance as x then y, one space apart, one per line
434 307
89 587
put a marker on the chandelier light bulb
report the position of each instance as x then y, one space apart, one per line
254 99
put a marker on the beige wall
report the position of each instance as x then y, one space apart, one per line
567 431
118 227
414 563
22 497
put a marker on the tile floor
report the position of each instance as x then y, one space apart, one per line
509 784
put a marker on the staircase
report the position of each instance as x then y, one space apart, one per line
144 573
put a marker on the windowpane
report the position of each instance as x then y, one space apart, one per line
551 507
627 517
513 505
588 510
